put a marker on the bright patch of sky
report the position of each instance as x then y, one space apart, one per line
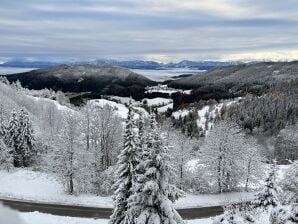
161 30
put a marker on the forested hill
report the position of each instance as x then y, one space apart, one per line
245 77
84 78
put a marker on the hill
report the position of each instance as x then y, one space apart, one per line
241 75
97 80
234 81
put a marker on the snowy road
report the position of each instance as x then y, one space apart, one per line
103 213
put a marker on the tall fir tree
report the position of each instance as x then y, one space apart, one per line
125 175
2 125
6 157
26 138
268 196
11 138
152 201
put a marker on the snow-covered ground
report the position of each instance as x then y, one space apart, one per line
165 89
36 186
40 218
163 109
180 113
120 109
205 114
158 101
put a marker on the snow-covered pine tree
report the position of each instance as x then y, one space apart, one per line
2 126
153 197
26 138
125 175
141 126
290 181
268 196
6 159
11 138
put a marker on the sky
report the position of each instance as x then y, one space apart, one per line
160 30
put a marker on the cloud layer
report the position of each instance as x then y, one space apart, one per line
164 30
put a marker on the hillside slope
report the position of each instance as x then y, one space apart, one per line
84 78
241 75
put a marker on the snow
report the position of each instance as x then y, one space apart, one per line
158 101
37 218
165 89
206 200
36 186
181 113
208 113
41 218
123 100
41 187
9 216
163 109
120 109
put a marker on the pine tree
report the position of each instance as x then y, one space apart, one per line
2 126
26 138
11 138
153 196
125 176
268 197
6 158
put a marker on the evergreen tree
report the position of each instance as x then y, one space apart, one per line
11 138
26 138
268 197
153 197
2 126
125 176
6 159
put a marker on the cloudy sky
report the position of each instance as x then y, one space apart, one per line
162 30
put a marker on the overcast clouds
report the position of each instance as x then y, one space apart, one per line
163 30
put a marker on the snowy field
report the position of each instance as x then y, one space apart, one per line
40 218
162 75
40 187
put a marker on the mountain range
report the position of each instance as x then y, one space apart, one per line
134 64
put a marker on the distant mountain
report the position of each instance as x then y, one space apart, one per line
202 65
98 80
135 64
129 64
